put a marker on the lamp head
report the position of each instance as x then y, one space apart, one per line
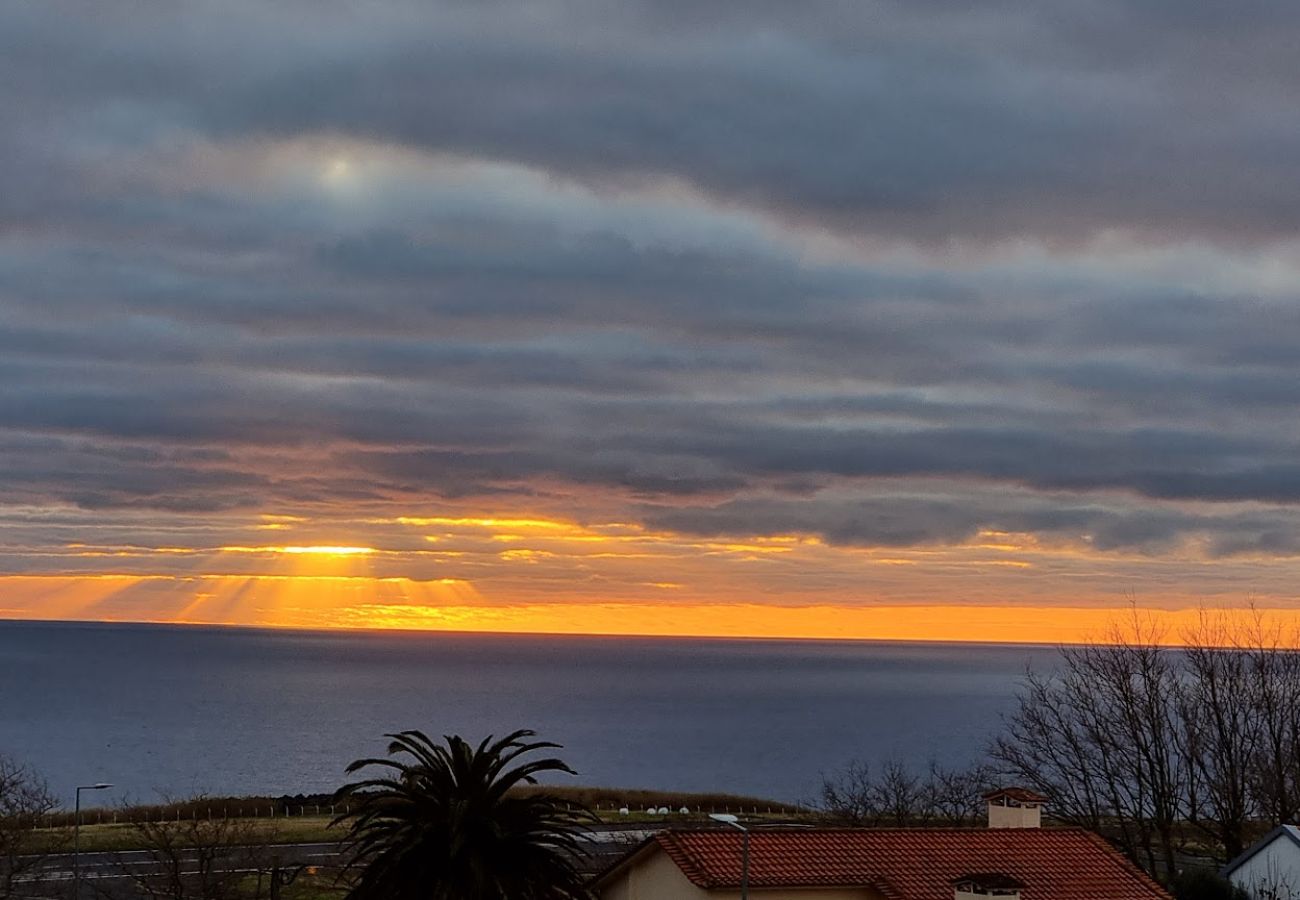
728 818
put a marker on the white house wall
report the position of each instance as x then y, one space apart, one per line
1273 873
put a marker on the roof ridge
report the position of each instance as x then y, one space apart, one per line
1291 832
877 829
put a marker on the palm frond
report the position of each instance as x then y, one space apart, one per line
442 822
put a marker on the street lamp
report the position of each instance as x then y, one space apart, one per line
734 822
76 836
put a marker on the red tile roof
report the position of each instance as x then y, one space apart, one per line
911 863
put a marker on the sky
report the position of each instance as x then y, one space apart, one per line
831 319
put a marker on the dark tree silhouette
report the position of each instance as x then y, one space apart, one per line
901 796
193 858
24 800
443 823
1137 739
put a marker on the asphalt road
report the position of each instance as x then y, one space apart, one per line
115 874
112 875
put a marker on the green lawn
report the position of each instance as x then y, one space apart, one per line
314 829
605 802
107 838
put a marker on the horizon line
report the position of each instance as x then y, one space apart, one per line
1106 620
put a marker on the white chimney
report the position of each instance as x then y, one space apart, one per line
1015 807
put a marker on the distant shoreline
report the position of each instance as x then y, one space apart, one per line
562 635
602 799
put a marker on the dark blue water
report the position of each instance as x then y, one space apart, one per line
158 709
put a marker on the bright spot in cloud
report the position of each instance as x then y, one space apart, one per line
318 550
338 171
328 550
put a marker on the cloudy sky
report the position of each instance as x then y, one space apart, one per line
862 318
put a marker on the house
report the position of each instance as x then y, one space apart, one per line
1270 868
1007 863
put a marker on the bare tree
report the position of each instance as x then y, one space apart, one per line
1274 701
1132 738
1135 739
24 800
1103 738
900 796
848 797
956 796
1225 734
199 858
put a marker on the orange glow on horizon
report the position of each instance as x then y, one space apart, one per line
367 603
527 571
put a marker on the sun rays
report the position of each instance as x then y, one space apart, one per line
529 571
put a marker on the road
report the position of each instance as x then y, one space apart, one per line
115 874
109 875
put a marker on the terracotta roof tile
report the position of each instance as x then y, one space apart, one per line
914 864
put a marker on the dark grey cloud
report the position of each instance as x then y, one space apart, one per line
712 263
93 476
922 517
934 120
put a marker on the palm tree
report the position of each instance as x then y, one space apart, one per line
444 824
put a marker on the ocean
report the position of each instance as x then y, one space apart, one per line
175 711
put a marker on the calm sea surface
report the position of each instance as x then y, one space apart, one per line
224 711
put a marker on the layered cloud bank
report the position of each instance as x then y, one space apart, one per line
664 307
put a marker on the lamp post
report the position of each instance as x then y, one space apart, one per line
734 822
76 836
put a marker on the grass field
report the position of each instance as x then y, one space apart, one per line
301 829
112 838
315 829
99 833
